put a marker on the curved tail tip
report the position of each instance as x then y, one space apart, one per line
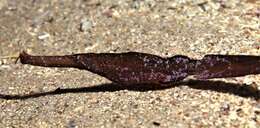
23 55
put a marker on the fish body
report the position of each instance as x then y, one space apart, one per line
142 68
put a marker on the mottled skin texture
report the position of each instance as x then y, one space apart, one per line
141 68
222 66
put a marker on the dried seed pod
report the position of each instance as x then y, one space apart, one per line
142 68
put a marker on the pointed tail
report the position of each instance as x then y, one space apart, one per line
48 61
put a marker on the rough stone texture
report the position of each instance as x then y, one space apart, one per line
165 28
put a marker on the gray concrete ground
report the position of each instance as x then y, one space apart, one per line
166 28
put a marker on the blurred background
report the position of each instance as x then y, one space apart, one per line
162 27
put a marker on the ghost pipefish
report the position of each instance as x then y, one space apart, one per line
142 68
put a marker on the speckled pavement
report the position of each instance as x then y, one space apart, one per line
59 97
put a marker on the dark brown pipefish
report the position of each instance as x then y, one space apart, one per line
142 68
